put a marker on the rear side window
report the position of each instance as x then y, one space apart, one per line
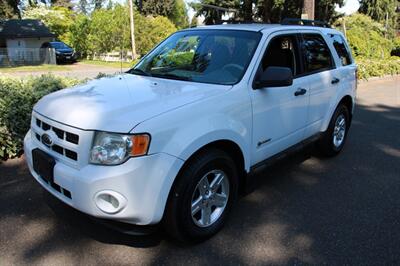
317 54
341 49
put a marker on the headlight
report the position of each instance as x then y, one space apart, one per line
112 148
58 52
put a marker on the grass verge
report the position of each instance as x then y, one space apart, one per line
107 64
34 68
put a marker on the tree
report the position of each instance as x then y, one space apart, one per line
62 3
57 19
109 31
212 15
383 11
34 3
325 10
155 7
10 9
247 10
80 31
269 11
150 31
193 22
97 4
179 15
83 6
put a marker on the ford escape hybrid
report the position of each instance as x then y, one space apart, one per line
173 140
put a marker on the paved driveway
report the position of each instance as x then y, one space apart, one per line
304 210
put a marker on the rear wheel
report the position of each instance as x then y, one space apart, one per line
334 137
202 197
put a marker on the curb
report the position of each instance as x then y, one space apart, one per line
361 81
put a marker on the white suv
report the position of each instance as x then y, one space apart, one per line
175 138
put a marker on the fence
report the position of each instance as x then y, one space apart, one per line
27 56
113 57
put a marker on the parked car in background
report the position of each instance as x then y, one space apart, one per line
176 138
64 53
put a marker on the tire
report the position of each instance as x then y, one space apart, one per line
334 138
186 192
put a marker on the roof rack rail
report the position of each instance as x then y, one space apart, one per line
305 22
233 21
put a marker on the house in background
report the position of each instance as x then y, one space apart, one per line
21 42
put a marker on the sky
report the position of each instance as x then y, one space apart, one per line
350 7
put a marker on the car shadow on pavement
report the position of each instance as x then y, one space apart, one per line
304 209
97 231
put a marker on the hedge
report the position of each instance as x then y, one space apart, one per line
368 68
17 97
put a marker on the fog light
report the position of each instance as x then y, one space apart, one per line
109 201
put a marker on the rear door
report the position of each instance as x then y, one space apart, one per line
322 75
348 68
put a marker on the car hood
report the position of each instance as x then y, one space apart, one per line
119 103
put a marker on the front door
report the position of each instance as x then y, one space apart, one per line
279 113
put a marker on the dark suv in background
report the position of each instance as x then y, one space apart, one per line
64 53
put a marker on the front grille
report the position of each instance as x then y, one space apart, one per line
63 137
70 137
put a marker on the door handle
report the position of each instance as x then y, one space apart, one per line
335 81
300 91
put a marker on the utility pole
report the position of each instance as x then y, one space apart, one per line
308 9
132 30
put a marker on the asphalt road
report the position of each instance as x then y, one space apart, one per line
305 210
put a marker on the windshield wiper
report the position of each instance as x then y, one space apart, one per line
171 76
138 71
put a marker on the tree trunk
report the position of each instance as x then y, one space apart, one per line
267 11
248 10
308 8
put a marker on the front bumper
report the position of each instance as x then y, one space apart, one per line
66 58
145 183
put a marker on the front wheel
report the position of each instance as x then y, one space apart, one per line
334 138
202 197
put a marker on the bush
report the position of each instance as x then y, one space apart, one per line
368 68
17 98
366 37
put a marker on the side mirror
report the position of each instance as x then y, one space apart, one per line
274 77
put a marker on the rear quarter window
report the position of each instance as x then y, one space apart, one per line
341 49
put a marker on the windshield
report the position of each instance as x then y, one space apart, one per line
60 45
208 56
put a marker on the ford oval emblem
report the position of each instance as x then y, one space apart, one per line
47 140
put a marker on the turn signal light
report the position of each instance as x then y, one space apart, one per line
140 144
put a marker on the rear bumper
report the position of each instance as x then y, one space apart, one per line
144 182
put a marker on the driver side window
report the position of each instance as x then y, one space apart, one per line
282 51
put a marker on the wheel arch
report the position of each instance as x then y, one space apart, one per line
231 148
348 101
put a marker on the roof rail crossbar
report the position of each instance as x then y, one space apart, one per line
305 22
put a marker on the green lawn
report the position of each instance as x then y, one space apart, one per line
109 64
34 68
